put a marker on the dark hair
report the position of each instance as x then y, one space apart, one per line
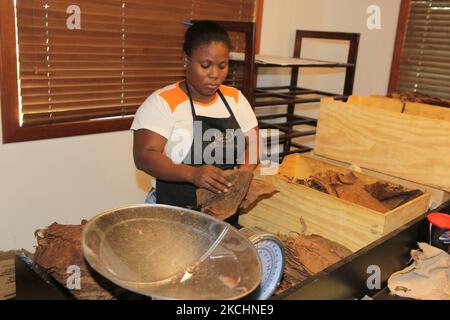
204 32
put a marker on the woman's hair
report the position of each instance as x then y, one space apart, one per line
204 32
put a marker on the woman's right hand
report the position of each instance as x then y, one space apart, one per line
211 178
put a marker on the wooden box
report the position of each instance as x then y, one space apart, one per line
410 141
402 142
297 208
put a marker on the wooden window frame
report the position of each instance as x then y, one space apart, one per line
398 47
9 90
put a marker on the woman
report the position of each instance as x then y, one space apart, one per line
172 128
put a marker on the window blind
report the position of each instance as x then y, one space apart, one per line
425 60
123 51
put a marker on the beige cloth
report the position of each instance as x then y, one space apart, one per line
427 278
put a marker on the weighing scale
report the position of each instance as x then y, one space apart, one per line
271 254
168 252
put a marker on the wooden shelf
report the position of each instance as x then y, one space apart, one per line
292 95
243 74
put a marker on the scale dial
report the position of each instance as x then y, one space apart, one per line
271 254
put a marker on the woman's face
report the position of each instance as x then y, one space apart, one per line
206 69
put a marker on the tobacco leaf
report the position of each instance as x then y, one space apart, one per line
257 191
408 96
380 196
322 182
59 246
224 205
307 255
391 195
356 193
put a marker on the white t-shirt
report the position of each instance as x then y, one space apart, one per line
167 112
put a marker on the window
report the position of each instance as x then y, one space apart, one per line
421 61
73 67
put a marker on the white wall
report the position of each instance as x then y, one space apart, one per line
281 18
68 179
64 180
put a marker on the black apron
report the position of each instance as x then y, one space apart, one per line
184 194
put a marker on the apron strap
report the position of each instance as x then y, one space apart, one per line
225 102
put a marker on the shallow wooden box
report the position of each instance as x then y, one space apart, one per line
397 142
297 208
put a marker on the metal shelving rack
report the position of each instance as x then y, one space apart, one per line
293 95
243 74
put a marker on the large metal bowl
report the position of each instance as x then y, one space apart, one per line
171 253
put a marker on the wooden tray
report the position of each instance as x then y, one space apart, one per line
300 209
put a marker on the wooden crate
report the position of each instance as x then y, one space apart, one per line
410 141
385 139
296 207
437 196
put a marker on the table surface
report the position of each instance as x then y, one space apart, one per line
345 280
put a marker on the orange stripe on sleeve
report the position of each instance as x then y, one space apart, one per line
174 97
230 92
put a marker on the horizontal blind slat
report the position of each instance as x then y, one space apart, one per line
119 57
